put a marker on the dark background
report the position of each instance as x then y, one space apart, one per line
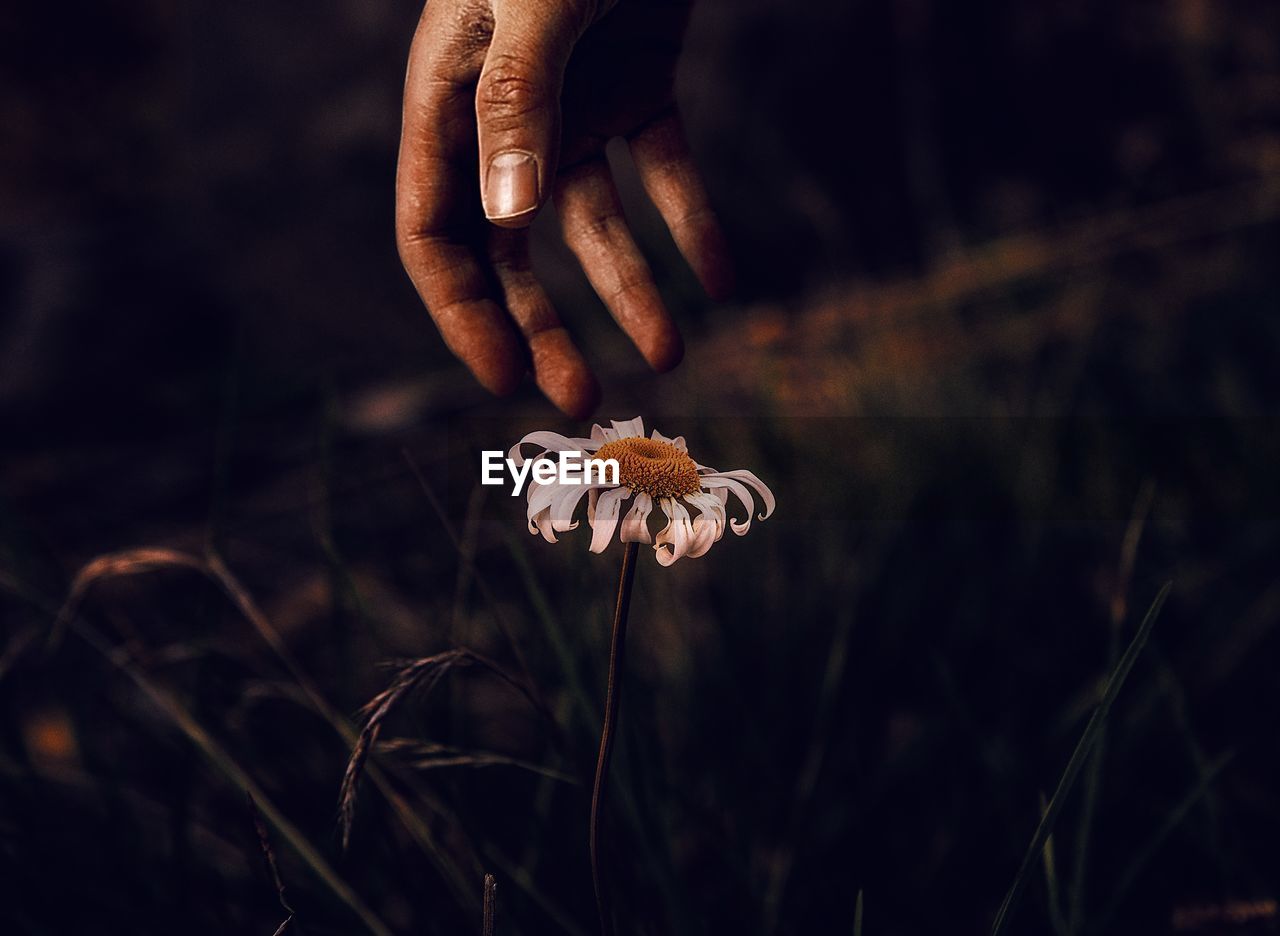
1005 349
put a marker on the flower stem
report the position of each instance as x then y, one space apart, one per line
611 704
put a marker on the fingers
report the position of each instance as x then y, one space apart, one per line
518 103
559 369
670 178
595 230
435 208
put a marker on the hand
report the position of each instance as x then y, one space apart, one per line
523 95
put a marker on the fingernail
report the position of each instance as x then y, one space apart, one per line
511 185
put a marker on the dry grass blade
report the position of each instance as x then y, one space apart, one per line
422 755
418 676
269 856
118 565
139 561
236 774
490 905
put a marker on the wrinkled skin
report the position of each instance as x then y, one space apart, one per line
509 103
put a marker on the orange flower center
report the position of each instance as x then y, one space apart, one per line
658 469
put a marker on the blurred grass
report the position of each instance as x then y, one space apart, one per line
991 342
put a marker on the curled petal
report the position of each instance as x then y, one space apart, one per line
540 496
677 535
748 478
601 434
710 506
542 524
740 491
705 533
550 442
635 525
608 507
708 526
563 503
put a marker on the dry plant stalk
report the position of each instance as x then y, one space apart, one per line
421 675
613 693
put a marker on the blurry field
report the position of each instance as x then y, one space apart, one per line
1006 354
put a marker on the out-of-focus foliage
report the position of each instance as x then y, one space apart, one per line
1006 354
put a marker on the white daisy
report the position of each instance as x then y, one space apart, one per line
655 469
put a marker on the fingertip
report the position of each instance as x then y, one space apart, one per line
665 351
495 358
714 265
562 374
719 281
501 377
579 401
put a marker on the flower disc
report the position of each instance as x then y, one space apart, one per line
651 467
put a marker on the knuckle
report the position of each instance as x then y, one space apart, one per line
408 242
508 89
598 227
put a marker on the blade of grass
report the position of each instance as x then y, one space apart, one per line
490 905
468 563
857 915
226 764
1148 851
811 768
522 879
273 869
427 756
1051 880
1177 699
1093 776
139 561
1083 749
587 711
1084 829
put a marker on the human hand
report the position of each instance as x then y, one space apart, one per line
524 95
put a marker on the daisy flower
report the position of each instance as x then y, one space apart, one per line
653 470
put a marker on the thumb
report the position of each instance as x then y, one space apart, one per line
518 104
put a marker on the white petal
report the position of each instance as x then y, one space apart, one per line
705 500
540 496
608 507
710 506
550 442
704 537
602 435
708 526
629 428
635 525
741 474
678 441
542 524
677 535
719 481
563 504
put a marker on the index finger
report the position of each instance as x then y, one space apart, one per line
437 208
